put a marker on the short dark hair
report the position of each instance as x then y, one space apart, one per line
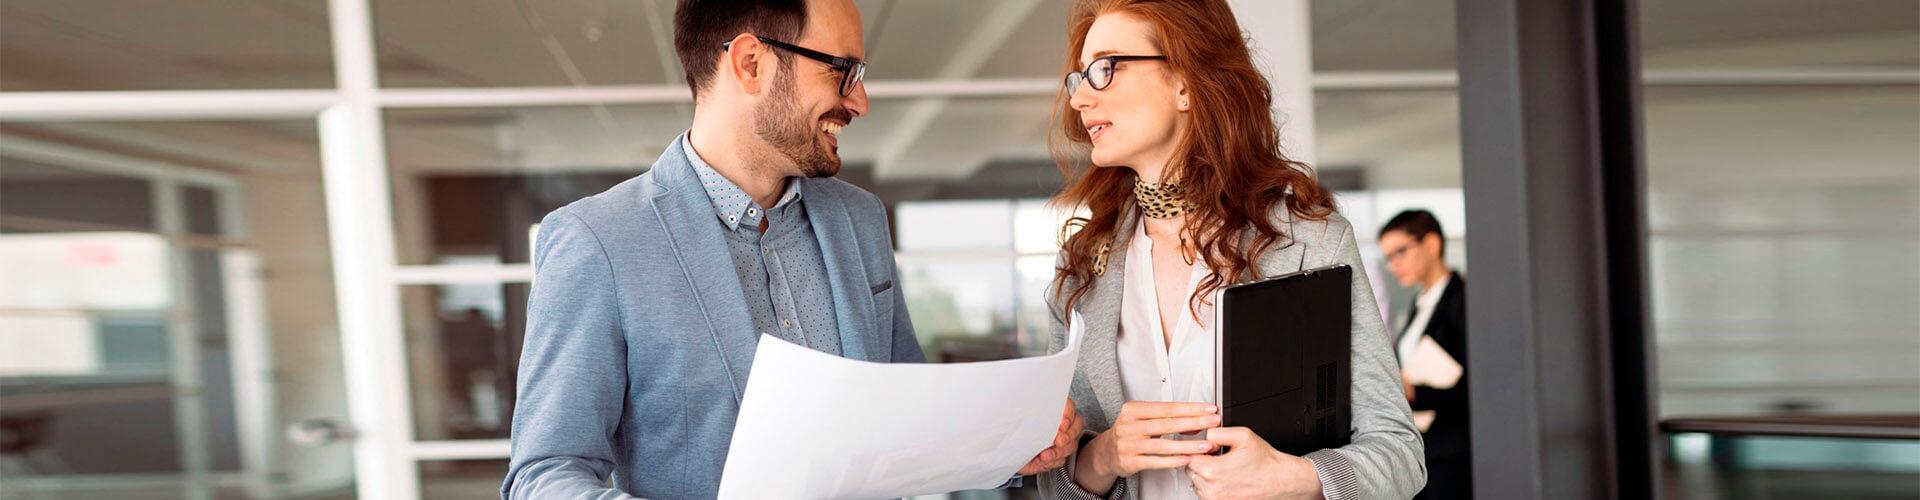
700 27
1418 224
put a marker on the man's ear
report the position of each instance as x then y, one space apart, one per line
1433 243
746 63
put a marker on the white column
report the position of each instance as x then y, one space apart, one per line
360 226
1283 49
183 342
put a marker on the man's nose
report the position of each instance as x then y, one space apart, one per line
856 101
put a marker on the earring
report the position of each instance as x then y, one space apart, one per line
1183 104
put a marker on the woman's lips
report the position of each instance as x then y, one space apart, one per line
1098 129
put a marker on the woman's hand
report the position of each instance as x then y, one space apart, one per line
1134 444
1066 439
1251 468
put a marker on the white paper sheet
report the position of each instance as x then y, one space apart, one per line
814 425
1431 366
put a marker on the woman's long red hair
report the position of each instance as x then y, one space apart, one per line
1228 160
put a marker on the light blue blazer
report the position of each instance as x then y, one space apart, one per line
639 343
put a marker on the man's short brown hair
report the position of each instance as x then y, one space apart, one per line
700 27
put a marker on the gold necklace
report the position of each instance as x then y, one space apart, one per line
1164 200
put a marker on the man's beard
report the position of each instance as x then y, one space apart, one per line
781 124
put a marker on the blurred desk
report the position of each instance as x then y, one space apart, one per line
969 349
1792 456
1826 426
90 397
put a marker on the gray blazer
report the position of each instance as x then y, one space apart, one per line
1384 458
639 342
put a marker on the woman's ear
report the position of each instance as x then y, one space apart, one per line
1180 96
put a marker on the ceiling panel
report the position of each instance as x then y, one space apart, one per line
153 44
456 43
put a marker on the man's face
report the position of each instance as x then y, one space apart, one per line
803 112
1409 259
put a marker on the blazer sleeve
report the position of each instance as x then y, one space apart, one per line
573 370
1058 482
1384 457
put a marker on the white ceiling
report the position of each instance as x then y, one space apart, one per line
112 45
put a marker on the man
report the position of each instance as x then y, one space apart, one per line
1416 251
649 299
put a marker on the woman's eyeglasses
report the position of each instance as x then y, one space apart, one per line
1099 73
851 70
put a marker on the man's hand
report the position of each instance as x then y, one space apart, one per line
1065 443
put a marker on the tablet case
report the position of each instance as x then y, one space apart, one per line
1284 358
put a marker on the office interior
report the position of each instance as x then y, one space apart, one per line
280 248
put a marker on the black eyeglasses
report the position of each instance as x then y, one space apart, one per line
1099 73
851 70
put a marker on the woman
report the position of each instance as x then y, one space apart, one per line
1188 192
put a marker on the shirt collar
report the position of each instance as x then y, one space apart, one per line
1431 295
730 203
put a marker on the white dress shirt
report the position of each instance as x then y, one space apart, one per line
1153 370
1424 305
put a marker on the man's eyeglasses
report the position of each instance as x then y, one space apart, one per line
851 70
1099 73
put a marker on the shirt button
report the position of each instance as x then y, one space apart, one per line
766 249
732 219
786 323
753 211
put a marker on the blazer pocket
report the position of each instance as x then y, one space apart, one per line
883 286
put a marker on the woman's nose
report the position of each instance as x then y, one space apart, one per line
1080 99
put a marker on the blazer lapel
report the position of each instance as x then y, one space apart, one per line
846 274
701 249
1099 352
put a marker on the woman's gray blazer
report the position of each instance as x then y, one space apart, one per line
1384 458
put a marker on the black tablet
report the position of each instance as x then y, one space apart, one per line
1283 359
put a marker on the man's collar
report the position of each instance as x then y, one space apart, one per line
731 204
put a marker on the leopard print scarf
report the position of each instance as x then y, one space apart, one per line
1160 201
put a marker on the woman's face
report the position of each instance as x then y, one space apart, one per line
1134 122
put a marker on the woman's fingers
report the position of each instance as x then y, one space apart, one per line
1167 447
1145 410
1180 425
1151 462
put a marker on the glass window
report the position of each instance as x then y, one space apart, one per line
36 194
150 319
1792 288
159 45
461 479
468 184
954 225
463 345
1782 227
